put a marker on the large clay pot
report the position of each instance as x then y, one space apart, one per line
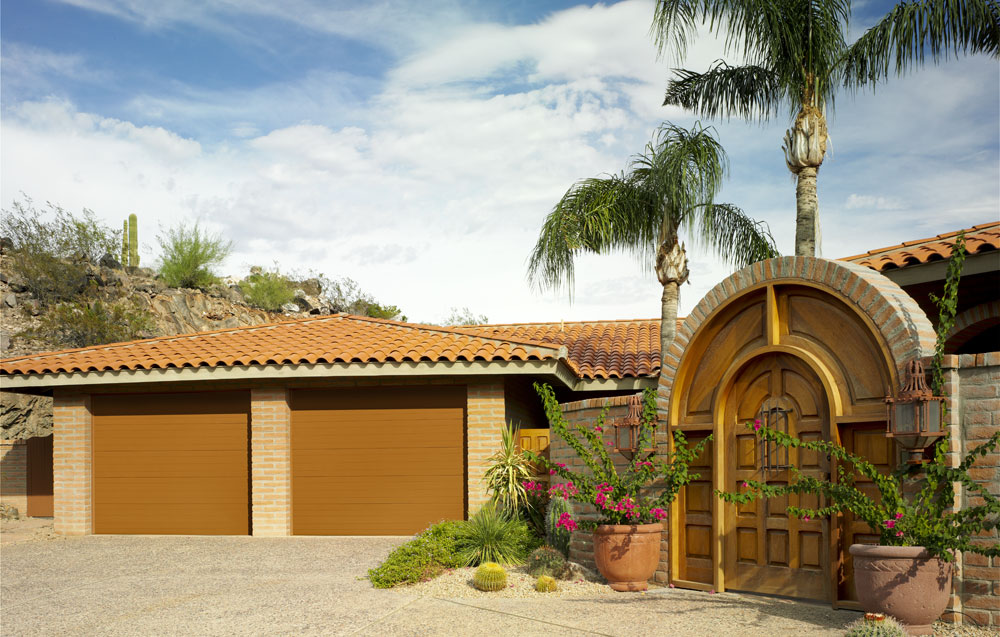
906 582
627 555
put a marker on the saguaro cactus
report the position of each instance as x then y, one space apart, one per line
124 259
133 241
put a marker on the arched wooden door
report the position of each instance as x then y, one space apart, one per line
765 549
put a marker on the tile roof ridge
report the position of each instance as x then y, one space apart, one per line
173 337
591 322
461 330
917 242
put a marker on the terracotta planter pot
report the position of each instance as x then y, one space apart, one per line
906 582
627 555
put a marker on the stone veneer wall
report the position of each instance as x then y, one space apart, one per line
973 383
14 474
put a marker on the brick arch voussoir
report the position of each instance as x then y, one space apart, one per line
902 325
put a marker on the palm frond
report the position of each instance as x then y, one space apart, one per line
598 215
750 92
674 25
915 30
735 237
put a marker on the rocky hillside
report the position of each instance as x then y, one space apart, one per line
174 311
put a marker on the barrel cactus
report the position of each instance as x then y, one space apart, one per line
546 560
875 625
554 535
490 577
546 584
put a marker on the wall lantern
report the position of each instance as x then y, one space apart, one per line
629 429
914 415
774 417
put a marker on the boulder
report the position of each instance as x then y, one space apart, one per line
24 415
6 245
108 261
10 300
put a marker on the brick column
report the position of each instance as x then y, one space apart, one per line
72 451
485 417
14 474
271 461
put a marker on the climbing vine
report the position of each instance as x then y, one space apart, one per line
947 305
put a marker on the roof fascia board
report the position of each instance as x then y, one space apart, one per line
616 384
556 368
936 271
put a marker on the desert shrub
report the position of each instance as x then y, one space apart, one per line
492 536
423 557
345 295
507 474
52 248
188 256
267 290
464 316
490 577
83 323
546 560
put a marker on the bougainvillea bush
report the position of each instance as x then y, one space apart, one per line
917 501
640 493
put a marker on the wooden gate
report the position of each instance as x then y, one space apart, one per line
40 477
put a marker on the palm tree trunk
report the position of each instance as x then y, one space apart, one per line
672 271
806 211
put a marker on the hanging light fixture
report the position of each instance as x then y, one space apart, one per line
913 417
628 430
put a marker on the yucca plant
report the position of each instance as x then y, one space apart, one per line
509 469
491 536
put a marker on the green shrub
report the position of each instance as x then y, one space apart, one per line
423 557
491 536
188 256
875 625
53 248
490 577
82 323
546 584
558 536
267 290
507 473
546 560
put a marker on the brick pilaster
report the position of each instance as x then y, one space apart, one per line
485 415
72 459
270 462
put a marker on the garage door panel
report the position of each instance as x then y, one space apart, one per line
380 489
379 460
371 519
389 462
171 463
192 435
176 490
172 519
149 464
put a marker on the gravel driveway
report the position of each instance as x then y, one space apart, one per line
122 585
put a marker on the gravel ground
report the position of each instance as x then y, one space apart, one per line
163 585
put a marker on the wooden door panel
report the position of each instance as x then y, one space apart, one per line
39 477
696 545
767 550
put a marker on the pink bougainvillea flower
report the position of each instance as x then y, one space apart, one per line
745 484
610 443
756 425
711 592
561 465
670 585
806 518
566 522
598 428
899 516
890 523
899 534
552 472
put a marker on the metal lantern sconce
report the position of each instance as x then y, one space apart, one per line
628 429
914 415
772 416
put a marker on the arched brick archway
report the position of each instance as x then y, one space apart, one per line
971 323
827 339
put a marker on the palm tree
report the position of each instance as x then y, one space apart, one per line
672 184
797 57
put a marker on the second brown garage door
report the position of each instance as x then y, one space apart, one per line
377 461
171 463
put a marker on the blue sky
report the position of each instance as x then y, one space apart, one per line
419 152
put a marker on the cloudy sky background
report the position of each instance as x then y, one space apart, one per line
418 153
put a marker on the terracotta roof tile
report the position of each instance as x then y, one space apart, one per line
599 349
338 338
602 349
978 239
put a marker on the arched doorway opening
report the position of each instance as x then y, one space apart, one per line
783 334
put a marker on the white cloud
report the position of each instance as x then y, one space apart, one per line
871 202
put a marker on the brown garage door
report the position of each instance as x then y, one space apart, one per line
171 463
377 461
